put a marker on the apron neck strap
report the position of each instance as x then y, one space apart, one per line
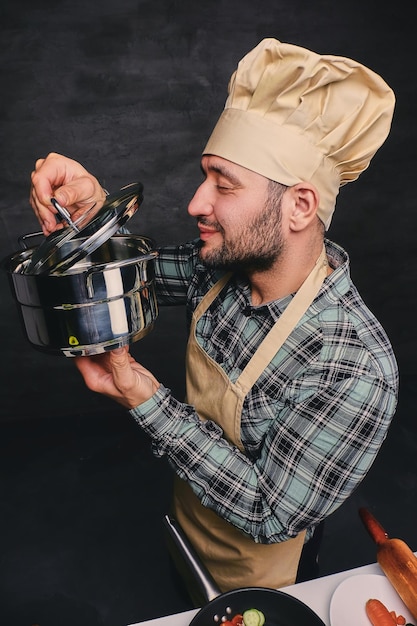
284 325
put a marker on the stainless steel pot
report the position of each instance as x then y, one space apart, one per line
86 289
102 301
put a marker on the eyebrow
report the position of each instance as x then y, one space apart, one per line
223 171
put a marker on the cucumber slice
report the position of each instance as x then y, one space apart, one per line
253 617
261 617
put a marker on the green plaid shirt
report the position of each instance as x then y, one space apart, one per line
312 424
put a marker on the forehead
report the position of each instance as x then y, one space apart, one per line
230 170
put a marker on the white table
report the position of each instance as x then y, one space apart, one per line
315 593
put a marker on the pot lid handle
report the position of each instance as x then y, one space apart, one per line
93 229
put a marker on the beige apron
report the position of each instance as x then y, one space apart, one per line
234 559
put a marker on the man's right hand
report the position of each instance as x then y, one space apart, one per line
69 182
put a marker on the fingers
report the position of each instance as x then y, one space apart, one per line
117 375
66 180
135 383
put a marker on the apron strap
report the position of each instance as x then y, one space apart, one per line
284 325
210 296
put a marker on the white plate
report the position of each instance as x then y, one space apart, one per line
347 606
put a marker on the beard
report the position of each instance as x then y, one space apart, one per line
252 247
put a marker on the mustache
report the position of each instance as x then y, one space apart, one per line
203 221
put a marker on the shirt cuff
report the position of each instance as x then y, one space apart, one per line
159 415
165 420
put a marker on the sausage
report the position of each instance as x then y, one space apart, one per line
378 613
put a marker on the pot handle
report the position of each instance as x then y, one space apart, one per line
188 562
22 238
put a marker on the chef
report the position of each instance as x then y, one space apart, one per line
291 381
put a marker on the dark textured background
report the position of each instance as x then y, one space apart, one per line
132 89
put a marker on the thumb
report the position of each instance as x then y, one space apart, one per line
123 375
65 196
82 191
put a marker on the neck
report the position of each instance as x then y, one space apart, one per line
286 275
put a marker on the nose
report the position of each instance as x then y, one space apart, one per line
200 203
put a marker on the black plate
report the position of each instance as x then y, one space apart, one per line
279 608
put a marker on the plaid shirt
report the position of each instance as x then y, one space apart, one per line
313 422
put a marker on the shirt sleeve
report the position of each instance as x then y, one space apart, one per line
314 455
322 447
174 268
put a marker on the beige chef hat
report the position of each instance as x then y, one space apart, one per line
293 115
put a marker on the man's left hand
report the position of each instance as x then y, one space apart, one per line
117 375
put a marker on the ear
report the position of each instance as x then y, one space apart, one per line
305 203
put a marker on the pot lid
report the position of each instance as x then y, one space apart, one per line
90 231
